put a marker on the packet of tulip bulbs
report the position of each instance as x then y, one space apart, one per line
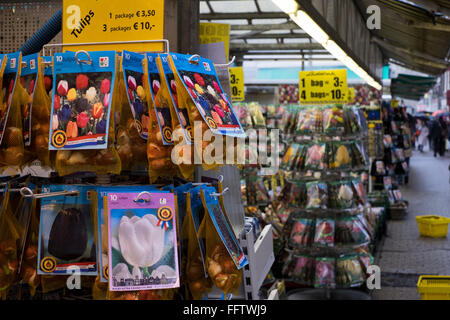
133 72
40 118
224 256
159 151
303 269
10 74
182 116
324 235
324 276
316 157
131 147
161 106
81 105
302 233
341 158
333 120
200 81
10 234
194 205
28 267
196 275
317 195
28 79
349 272
66 232
142 241
182 129
223 229
102 225
48 74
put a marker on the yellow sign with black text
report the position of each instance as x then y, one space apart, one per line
86 21
324 86
394 103
237 84
215 32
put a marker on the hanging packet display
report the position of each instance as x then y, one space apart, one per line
100 216
28 79
159 151
182 129
132 128
161 104
81 104
66 232
142 241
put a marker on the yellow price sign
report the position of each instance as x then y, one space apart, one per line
237 84
351 95
394 103
324 86
215 32
86 21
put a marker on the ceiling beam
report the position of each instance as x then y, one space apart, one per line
258 35
243 15
265 27
408 65
274 46
293 53
289 59
433 6
425 59
415 60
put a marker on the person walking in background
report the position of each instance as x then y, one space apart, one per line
423 136
444 132
438 133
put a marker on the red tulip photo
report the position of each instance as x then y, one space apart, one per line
82 120
82 81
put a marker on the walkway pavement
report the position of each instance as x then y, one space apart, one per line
404 255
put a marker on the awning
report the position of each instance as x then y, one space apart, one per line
411 87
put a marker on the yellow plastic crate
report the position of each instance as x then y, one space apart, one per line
434 287
433 226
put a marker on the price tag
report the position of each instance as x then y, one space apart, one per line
325 86
351 95
394 103
215 32
237 83
113 20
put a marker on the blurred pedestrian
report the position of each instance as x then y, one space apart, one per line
423 136
438 133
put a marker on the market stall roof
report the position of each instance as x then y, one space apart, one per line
260 30
414 34
411 87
